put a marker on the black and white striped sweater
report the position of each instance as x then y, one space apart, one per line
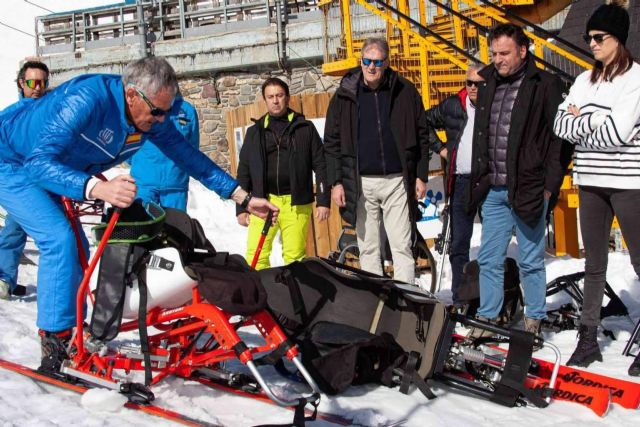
607 132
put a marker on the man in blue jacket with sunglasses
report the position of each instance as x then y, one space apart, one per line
55 147
158 178
32 82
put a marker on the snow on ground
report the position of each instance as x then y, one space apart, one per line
26 403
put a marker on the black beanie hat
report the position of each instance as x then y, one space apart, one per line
612 18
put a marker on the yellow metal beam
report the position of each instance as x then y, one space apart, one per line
484 49
346 25
422 13
339 68
424 77
457 24
565 229
403 7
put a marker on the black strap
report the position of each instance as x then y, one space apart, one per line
512 384
408 376
141 272
531 395
296 296
299 416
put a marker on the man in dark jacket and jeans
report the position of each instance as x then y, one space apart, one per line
376 144
456 115
279 154
516 168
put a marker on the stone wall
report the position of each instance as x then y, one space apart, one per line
213 95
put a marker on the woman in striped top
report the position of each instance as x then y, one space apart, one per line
601 116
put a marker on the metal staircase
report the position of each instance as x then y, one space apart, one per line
432 41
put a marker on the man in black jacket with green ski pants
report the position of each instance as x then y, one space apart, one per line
279 154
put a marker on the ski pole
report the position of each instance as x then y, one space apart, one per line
263 235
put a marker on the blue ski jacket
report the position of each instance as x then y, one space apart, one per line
81 128
152 168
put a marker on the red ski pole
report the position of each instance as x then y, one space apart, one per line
263 235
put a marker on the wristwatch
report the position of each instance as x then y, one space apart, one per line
245 202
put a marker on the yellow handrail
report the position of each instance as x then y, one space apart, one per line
406 27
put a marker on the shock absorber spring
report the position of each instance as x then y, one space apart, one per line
477 356
473 355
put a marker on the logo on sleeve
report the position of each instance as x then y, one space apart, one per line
105 136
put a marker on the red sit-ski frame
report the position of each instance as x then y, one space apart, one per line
174 349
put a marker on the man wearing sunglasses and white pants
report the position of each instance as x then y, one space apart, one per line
32 82
377 152
56 145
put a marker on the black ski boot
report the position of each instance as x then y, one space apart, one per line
53 346
587 350
634 369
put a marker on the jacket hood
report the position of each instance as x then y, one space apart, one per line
463 95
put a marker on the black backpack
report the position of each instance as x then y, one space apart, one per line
354 327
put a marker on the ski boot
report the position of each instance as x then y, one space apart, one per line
475 333
587 350
5 290
533 326
53 347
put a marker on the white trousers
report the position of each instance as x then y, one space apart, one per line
384 198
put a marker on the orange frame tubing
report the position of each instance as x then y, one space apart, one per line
196 316
81 296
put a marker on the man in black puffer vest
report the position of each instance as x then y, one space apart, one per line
456 115
376 144
517 166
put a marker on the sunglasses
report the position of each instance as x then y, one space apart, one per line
37 83
598 38
376 62
475 83
155 111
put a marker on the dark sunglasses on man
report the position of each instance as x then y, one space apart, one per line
155 111
475 83
598 38
376 62
37 83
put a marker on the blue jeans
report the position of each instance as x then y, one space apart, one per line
176 199
12 242
461 232
498 221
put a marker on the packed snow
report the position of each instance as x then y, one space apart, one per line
27 403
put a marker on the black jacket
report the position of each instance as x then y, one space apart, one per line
450 115
536 158
408 124
306 154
